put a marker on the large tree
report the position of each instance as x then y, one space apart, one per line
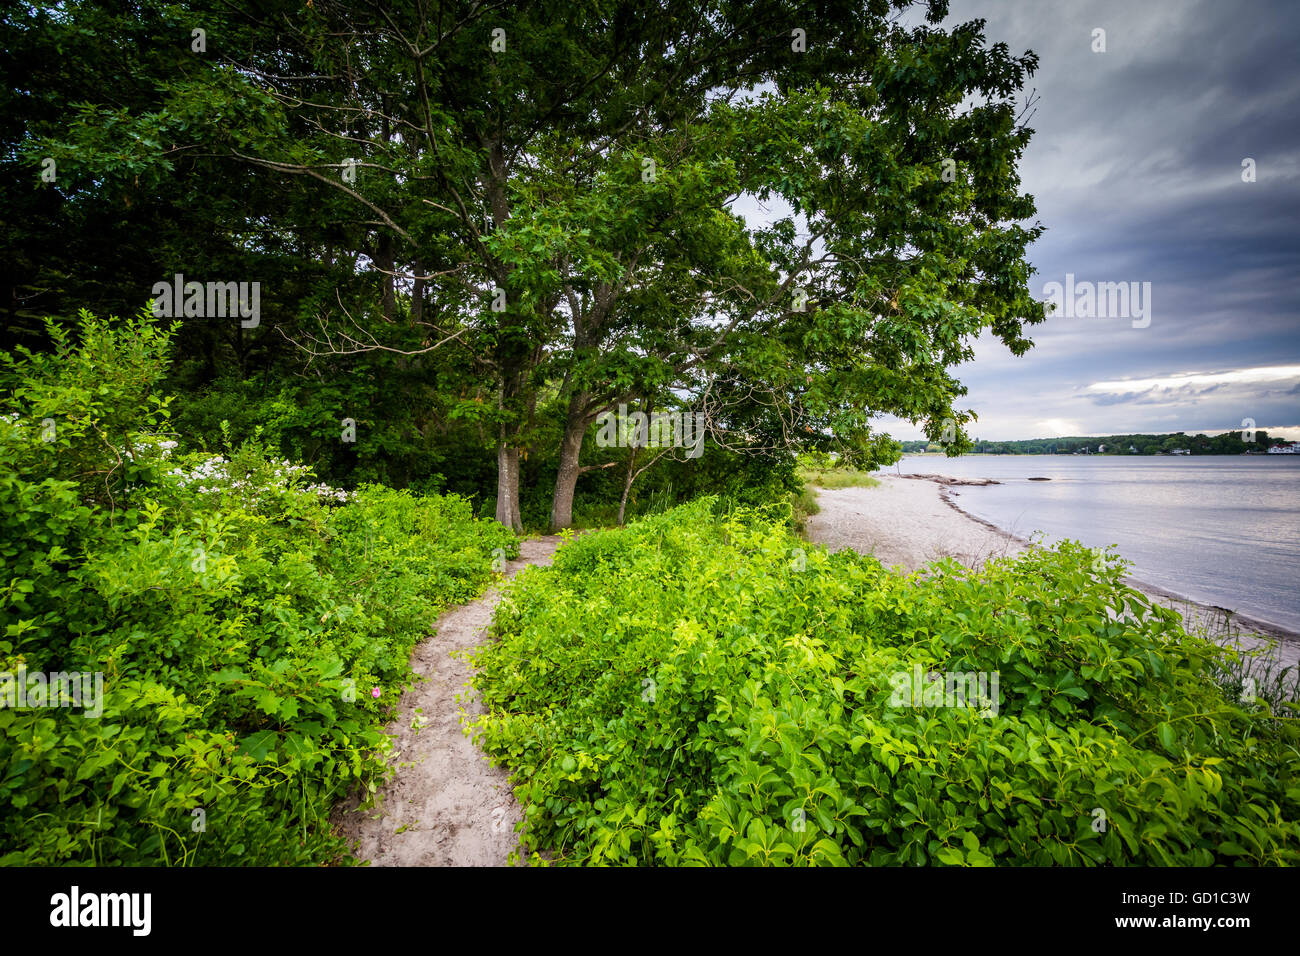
549 185
906 241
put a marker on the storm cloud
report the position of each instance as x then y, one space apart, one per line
1137 169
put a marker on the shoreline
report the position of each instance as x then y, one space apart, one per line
1246 622
908 521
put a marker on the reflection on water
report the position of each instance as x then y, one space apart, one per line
1221 530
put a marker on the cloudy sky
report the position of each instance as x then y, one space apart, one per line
1136 167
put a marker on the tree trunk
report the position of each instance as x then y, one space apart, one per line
508 488
633 473
627 485
566 478
508 458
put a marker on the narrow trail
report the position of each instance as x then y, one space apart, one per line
445 806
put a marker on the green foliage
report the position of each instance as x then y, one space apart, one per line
896 141
81 409
398 441
701 688
803 504
241 615
735 478
839 478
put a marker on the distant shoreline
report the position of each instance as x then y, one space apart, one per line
1282 456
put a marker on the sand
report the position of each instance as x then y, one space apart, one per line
904 523
445 805
908 522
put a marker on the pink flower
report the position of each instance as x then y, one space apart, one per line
374 692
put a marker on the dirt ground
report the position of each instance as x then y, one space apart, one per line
445 806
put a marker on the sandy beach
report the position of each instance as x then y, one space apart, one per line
908 522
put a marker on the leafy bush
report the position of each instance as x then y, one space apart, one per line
704 689
405 435
740 479
252 630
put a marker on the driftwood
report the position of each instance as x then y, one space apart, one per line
946 480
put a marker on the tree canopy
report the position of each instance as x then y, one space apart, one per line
477 227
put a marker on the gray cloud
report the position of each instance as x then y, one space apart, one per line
1136 169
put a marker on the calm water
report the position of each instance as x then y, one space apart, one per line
1220 530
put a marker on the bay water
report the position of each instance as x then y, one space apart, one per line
1221 530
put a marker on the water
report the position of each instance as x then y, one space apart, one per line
1219 530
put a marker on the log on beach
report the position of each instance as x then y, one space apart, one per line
949 480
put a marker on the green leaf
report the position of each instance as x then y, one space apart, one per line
258 746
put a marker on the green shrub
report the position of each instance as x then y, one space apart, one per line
803 505
705 689
253 627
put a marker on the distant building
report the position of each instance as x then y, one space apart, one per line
1132 450
1291 449
1100 449
1181 451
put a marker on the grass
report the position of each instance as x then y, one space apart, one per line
838 478
1253 671
803 503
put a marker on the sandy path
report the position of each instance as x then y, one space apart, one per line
908 522
445 806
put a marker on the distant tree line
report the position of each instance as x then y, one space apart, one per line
1228 443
